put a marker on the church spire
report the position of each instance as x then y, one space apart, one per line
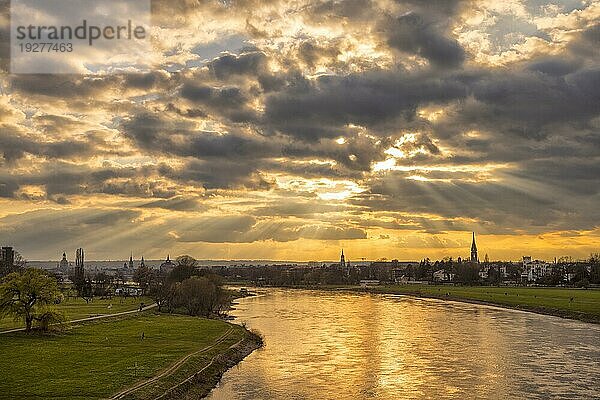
474 257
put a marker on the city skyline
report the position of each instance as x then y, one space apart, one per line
288 130
473 257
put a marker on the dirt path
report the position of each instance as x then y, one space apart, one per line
91 318
170 369
196 373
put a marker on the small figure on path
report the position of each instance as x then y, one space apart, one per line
143 335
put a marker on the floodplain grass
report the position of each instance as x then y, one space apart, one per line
197 362
583 304
96 359
77 308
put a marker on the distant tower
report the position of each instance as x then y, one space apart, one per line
79 268
64 263
131 261
142 263
474 251
167 266
342 260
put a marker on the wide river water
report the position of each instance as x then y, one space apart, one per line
331 345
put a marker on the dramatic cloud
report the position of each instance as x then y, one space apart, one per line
287 129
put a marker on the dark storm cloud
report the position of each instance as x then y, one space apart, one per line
61 179
575 175
8 187
14 145
178 203
227 160
438 8
219 174
585 44
526 103
231 65
154 132
298 209
246 229
414 34
63 87
306 111
554 66
230 102
318 232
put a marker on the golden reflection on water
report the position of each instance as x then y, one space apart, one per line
324 345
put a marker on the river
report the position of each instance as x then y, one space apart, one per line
331 345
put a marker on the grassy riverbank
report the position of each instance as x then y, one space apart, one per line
77 308
578 304
98 359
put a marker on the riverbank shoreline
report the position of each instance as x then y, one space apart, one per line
445 293
204 381
589 318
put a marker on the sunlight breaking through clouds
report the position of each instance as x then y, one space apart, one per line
387 123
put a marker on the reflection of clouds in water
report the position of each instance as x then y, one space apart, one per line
339 346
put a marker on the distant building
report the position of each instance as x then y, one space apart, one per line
442 276
474 258
342 260
130 266
535 269
368 283
7 260
167 266
142 263
63 265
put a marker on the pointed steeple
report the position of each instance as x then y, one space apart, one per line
474 257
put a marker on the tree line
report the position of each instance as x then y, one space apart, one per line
31 294
185 288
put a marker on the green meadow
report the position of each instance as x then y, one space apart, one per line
77 308
574 303
96 359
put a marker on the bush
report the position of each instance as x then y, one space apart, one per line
48 318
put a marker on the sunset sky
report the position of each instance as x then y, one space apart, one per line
290 129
